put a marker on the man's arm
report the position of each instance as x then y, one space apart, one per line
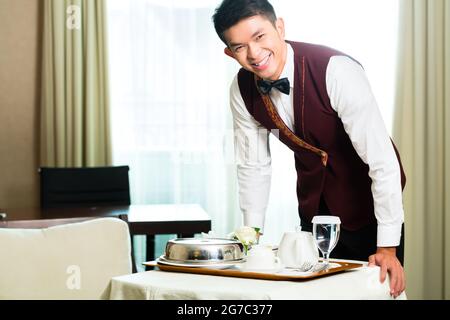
352 98
253 161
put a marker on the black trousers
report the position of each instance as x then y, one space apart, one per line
355 245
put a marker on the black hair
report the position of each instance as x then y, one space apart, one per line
230 12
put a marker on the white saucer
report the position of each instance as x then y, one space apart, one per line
222 265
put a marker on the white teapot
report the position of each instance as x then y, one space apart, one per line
296 248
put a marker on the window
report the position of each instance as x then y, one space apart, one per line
169 94
169 97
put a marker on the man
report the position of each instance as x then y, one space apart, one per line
319 103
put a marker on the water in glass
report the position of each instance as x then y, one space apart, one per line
326 231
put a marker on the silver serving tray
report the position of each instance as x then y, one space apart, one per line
203 251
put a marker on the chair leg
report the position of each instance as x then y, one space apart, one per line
133 259
150 250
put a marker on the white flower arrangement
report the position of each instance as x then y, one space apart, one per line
248 236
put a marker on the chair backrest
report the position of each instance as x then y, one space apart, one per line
74 187
75 260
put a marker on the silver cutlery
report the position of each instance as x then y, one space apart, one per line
305 267
312 267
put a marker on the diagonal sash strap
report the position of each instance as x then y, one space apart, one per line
273 114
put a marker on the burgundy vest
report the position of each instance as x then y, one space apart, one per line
328 166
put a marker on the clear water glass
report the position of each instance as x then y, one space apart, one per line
326 230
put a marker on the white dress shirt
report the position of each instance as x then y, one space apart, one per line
351 97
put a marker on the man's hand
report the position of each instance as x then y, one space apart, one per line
388 262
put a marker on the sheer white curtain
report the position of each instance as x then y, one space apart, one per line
170 116
170 83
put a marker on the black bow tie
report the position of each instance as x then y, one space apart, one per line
281 84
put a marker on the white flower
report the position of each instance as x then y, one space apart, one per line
246 235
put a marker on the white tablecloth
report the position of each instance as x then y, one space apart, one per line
361 283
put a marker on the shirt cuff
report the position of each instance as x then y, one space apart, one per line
254 220
389 235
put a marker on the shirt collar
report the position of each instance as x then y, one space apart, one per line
288 70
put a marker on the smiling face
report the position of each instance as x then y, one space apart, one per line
258 46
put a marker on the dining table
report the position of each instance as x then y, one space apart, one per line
362 283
